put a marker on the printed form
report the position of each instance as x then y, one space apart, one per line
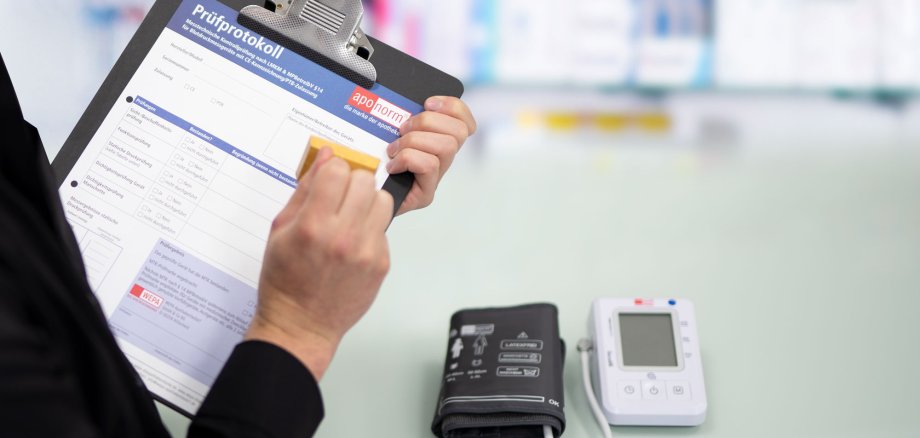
173 198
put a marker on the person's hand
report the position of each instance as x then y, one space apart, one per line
428 144
326 258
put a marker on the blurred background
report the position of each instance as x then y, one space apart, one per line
761 157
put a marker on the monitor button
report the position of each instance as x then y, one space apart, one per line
678 391
629 390
653 390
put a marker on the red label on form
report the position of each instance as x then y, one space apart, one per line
146 296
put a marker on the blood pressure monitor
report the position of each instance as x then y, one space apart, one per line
645 364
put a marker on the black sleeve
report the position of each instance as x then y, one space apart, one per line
262 391
34 386
36 383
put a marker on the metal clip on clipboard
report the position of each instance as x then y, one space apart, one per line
326 32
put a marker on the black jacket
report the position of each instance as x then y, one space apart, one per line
61 372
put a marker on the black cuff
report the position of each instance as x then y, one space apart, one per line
262 391
514 393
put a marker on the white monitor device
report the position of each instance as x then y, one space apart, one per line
645 366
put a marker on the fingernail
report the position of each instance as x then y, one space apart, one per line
392 148
405 126
434 104
323 156
390 166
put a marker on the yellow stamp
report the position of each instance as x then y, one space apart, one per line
355 159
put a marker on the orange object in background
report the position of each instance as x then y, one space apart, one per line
611 122
562 121
653 122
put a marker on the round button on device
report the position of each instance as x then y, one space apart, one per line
629 390
653 390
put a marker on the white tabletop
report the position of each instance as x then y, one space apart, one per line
803 269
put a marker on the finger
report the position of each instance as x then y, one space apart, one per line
381 212
442 146
359 198
325 154
453 107
327 189
303 187
436 122
415 161
425 166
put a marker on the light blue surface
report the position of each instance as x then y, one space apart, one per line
803 271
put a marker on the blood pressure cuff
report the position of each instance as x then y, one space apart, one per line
503 374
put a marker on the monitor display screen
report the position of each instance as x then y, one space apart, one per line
647 340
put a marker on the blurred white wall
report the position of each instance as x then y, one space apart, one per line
765 83
59 52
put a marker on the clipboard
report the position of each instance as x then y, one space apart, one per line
395 70
172 176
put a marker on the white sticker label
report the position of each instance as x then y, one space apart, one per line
477 330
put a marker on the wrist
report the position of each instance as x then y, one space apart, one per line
314 350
